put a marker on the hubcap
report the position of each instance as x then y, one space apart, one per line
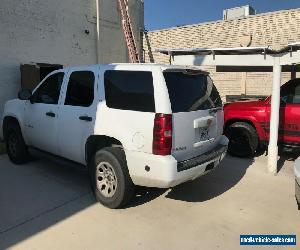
106 179
12 144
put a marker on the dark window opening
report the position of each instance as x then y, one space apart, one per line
49 91
290 92
80 89
191 91
129 90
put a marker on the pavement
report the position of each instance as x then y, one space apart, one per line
48 206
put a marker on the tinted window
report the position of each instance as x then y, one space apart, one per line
129 90
49 91
80 89
290 92
191 91
296 98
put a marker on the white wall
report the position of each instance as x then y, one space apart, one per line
53 32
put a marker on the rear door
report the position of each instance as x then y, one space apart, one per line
197 113
77 114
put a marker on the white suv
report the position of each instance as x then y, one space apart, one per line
130 124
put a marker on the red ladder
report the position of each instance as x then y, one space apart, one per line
128 32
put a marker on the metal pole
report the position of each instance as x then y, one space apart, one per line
274 122
98 31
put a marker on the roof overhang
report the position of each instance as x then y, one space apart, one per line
239 56
216 51
231 51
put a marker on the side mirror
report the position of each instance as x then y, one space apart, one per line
25 94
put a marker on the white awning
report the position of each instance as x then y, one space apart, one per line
239 56
219 51
230 51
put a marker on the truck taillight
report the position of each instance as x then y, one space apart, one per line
162 134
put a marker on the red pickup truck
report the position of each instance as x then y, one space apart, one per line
247 123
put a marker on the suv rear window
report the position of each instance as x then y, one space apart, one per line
191 91
129 90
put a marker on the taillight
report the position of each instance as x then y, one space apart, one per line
162 134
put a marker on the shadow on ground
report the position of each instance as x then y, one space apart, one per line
224 177
32 195
145 195
215 183
35 192
207 187
283 156
286 156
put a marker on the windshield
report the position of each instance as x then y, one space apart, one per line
191 91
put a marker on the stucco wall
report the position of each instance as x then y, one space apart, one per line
53 32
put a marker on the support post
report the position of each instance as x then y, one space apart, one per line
274 121
98 30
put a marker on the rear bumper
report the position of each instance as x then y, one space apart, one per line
165 171
199 160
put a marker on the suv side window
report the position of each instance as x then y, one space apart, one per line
129 90
296 98
80 90
49 91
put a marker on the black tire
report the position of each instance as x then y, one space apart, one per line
15 145
243 139
124 188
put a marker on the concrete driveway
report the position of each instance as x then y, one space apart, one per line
48 206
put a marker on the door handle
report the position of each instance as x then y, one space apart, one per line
50 114
85 118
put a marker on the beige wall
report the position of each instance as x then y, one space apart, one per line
275 29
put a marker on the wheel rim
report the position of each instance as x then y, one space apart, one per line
106 179
13 144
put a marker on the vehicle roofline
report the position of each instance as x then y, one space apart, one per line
162 66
